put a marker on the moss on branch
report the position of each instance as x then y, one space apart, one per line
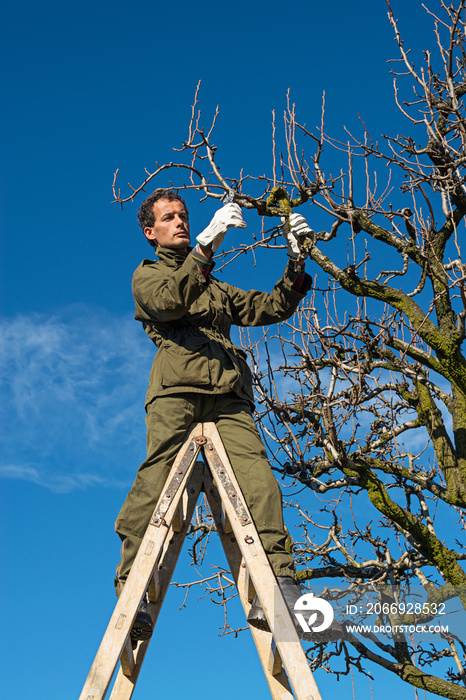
428 544
452 363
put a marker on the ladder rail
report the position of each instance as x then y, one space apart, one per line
121 621
278 683
275 608
124 685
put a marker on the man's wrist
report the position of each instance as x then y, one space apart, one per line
297 266
205 250
205 264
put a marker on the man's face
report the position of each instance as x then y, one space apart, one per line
171 227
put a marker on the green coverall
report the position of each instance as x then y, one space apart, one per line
198 375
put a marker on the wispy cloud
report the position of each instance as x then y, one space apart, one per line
56 482
72 387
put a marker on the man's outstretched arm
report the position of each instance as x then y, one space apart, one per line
255 308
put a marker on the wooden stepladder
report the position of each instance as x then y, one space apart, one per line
283 660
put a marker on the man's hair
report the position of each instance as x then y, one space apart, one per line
146 216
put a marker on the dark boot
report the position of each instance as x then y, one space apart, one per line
143 626
256 616
290 591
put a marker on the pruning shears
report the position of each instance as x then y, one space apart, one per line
228 197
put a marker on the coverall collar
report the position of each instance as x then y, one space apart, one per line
171 254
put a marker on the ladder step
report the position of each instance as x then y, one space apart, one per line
225 522
248 586
275 660
127 658
244 583
180 514
153 590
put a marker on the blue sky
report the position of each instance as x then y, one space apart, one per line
87 89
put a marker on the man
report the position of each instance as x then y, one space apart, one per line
199 375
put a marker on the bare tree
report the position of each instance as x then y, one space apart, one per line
362 396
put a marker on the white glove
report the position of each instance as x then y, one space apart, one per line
227 217
296 229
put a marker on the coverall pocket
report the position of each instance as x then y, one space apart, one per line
245 371
184 365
